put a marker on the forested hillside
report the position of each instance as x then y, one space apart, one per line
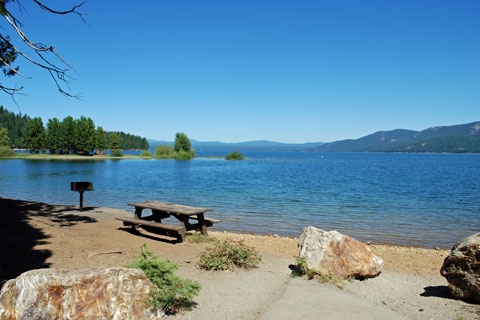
129 141
79 136
462 138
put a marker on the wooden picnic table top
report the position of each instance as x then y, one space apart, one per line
169 207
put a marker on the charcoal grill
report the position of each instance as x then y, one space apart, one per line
81 187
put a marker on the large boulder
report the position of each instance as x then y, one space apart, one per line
462 269
99 293
337 254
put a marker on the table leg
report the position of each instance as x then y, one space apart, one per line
138 213
159 215
202 223
183 220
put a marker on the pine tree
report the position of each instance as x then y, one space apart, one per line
114 141
84 135
182 142
101 139
34 135
4 140
54 136
68 134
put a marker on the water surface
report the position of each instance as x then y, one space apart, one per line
419 199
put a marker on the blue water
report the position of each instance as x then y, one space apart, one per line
419 199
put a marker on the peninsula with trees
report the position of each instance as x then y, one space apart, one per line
68 136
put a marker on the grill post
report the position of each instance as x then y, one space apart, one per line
81 200
81 187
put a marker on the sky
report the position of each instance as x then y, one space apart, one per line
231 71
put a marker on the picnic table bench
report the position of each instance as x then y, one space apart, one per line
163 210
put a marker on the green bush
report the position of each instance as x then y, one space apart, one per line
234 155
163 152
6 152
184 155
300 269
229 254
146 154
116 153
173 293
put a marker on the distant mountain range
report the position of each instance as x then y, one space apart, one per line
259 145
463 138
453 139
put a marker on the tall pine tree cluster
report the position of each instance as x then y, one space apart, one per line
69 136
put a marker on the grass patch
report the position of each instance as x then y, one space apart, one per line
301 270
229 254
173 293
327 278
116 153
198 237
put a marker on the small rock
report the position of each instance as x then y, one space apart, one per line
462 269
337 254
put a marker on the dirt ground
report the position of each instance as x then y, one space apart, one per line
37 235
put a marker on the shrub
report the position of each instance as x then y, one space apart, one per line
199 238
146 154
234 155
163 152
6 152
229 254
184 155
116 153
300 269
173 293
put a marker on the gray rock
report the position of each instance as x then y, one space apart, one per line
99 293
337 254
462 269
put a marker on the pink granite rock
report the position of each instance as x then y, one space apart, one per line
337 254
99 293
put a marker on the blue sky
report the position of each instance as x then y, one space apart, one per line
289 71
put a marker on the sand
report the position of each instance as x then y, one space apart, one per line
37 235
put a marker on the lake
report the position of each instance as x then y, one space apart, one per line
416 199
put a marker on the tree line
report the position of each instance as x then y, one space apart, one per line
69 136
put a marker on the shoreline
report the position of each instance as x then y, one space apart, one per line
100 221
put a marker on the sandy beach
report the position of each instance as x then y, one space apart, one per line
37 235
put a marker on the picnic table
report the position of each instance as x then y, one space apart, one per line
162 210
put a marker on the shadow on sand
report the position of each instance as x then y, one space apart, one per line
150 236
18 238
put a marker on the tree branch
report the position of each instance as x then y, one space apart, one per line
56 72
10 91
13 69
72 10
